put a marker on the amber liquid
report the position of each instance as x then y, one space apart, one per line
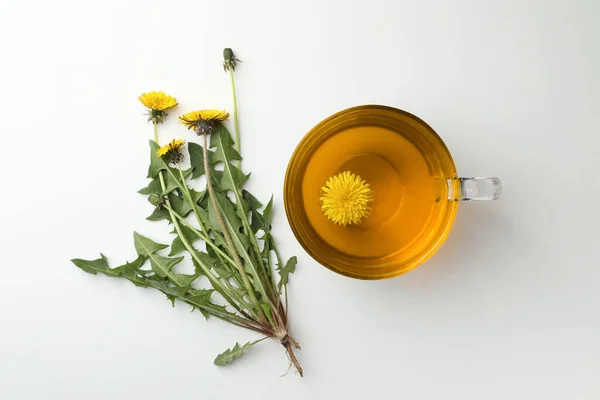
406 191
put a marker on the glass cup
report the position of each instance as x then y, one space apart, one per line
415 186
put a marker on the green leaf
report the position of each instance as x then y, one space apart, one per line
184 280
232 178
243 211
259 221
197 159
145 246
266 307
222 140
177 246
132 271
95 266
205 313
203 216
206 259
218 240
268 213
215 309
173 179
236 352
182 206
172 292
285 272
159 214
152 188
239 291
232 222
162 265
187 207
262 222
252 201
197 196
176 202
224 273
240 241
256 224
162 213
157 164
216 177
228 212
200 297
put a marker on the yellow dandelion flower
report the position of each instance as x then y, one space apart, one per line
203 121
157 103
171 150
346 199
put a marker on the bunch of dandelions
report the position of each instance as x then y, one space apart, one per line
225 230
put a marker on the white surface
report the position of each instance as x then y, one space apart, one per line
508 309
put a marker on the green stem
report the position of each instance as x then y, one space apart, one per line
228 240
286 310
236 126
186 191
225 292
231 318
205 235
220 253
248 230
280 264
197 232
188 245
269 267
155 132
259 257
258 269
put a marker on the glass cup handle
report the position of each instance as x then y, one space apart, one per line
478 189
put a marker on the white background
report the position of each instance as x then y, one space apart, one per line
508 308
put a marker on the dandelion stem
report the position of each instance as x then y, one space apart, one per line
194 206
236 126
227 236
209 242
202 236
225 292
155 132
187 245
